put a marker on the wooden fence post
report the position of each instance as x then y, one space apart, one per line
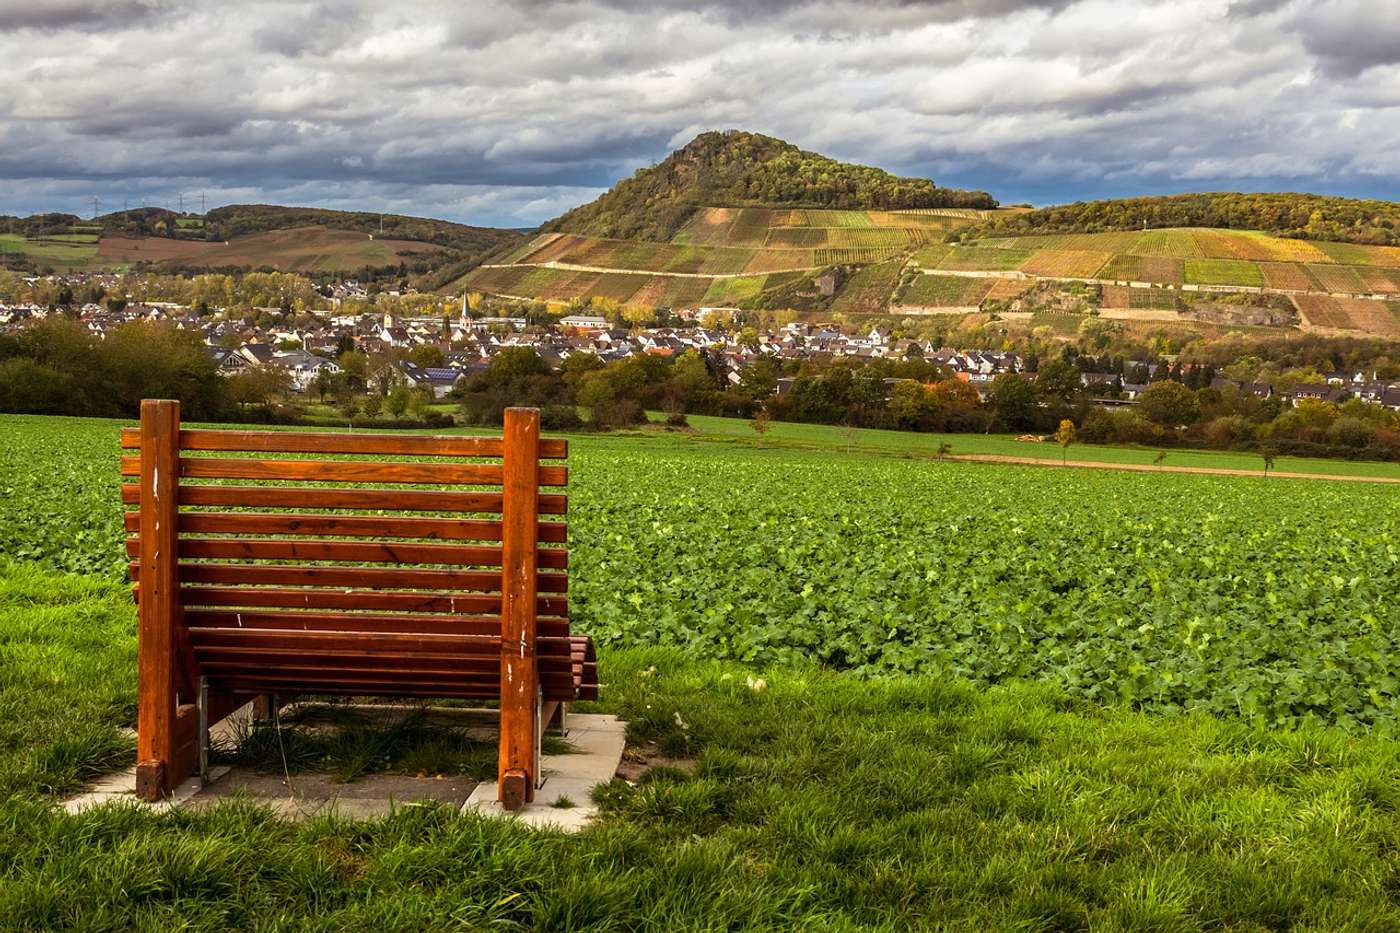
518 771
157 638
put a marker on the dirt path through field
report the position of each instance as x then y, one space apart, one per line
1148 468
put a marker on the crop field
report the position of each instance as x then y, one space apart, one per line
868 290
298 249
1145 299
1065 263
1161 270
1114 586
1379 280
1357 314
977 258
1290 275
1003 289
60 253
733 291
1223 272
1343 279
778 228
1153 299
928 257
1356 254
856 256
947 291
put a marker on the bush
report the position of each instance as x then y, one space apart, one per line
560 418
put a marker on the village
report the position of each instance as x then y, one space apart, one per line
435 354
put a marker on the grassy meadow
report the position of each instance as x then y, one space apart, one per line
991 697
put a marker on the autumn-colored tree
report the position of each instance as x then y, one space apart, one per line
1065 436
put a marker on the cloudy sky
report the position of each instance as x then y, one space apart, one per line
507 113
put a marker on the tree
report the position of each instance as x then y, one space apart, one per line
427 355
944 450
1157 460
1064 436
323 383
1013 402
1169 403
396 402
1268 453
349 406
373 405
760 422
1058 381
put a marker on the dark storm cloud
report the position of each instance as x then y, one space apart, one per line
511 112
1349 36
75 14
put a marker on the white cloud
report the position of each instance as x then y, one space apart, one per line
509 113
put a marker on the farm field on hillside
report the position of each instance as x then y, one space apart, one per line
59 253
977 258
1066 263
947 291
1204 257
1223 272
1358 314
781 228
868 290
297 249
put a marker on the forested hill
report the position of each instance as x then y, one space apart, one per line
243 219
737 169
1303 216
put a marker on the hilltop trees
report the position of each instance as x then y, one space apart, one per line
1305 216
736 169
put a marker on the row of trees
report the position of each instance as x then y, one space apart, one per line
918 395
56 366
1307 216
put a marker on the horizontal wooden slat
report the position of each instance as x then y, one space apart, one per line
312 679
346 471
350 526
322 598
357 551
426 445
392 663
379 578
407 500
259 621
455 688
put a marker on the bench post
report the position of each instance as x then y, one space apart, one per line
518 770
159 608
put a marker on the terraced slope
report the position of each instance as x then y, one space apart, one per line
730 256
1190 256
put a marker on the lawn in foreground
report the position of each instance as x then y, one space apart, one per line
816 800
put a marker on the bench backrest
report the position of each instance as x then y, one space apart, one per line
280 562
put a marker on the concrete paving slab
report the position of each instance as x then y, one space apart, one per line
598 741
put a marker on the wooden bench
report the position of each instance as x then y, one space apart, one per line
262 572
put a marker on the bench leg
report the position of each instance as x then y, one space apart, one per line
204 732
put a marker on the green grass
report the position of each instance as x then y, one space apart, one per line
820 802
66 254
827 437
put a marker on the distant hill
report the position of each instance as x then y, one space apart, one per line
738 169
255 236
1300 216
